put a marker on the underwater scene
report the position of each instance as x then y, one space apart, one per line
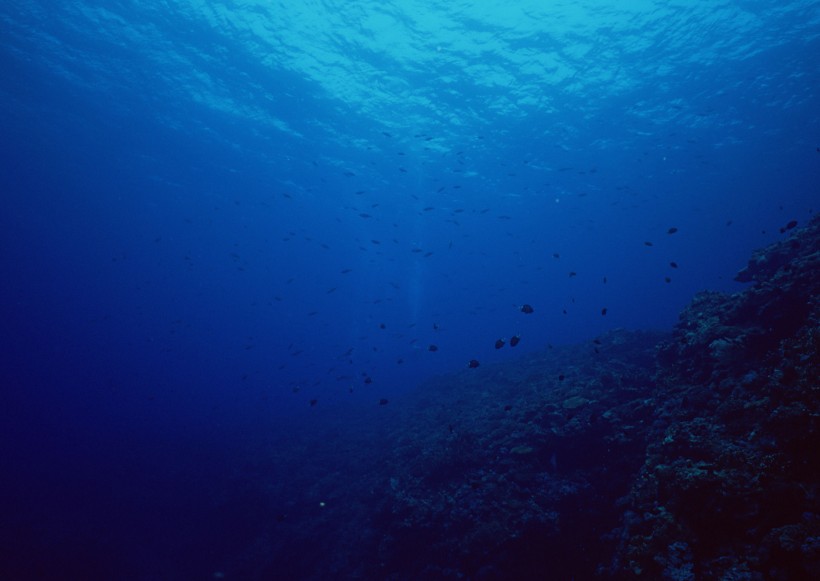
406 290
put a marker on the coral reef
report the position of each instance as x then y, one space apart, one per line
640 455
735 476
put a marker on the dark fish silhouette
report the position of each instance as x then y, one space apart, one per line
603 311
432 348
667 279
672 230
313 402
473 363
561 377
647 243
383 401
673 264
499 343
514 340
527 309
788 226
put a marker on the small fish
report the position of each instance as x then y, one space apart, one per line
573 274
672 230
667 279
499 343
473 363
556 255
647 243
507 408
432 348
603 311
515 340
527 309
313 402
561 377
368 380
383 401
673 264
788 226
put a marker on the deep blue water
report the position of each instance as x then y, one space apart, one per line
214 213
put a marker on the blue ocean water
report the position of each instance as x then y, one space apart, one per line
230 226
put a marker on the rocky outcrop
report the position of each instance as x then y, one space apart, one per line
650 456
730 489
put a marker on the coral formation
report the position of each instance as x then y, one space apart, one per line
639 455
660 457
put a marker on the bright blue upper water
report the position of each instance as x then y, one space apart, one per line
214 212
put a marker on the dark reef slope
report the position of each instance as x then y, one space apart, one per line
694 455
